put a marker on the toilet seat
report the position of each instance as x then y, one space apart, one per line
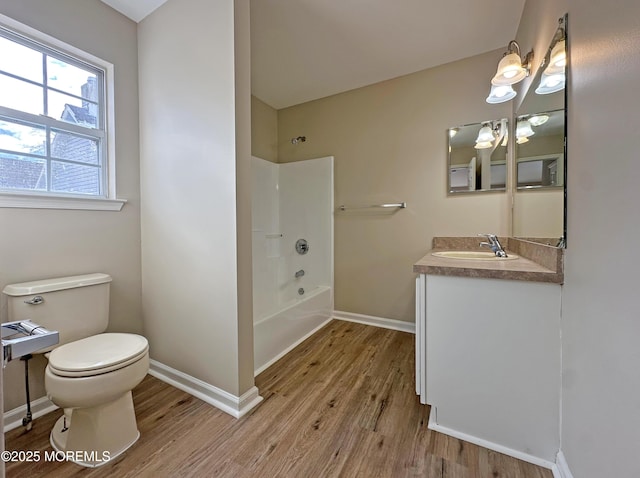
97 354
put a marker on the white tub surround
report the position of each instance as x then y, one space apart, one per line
292 293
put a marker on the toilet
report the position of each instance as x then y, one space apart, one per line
90 373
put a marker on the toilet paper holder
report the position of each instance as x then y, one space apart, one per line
24 337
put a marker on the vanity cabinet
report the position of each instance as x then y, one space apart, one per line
488 362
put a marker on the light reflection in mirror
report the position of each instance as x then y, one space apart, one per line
477 157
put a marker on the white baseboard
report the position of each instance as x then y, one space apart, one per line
39 407
225 401
261 369
562 467
486 443
392 324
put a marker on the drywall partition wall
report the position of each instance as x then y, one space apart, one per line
390 144
601 305
244 299
188 183
43 243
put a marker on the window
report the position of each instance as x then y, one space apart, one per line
53 120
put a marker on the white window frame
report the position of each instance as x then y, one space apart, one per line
52 200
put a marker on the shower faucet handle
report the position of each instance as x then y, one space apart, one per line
302 246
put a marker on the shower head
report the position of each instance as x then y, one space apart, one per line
299 139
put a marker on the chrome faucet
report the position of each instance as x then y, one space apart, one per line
299 274
493 244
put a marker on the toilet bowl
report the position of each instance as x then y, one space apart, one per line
92 379
90 373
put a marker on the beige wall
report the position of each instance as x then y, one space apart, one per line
601 304
264 130
243 99
37 243
390 144
539 212
190 208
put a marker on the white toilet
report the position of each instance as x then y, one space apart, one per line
90 374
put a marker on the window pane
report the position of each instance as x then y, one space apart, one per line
75 178
71 79
20 95
20 60
22 172
74 148
72 110
22 139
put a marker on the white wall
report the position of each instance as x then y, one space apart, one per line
601 304
188 186
38 243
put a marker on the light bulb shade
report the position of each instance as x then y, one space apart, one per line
557 59
538 120
483 145
522 140
510 71
550 83
500 94
485 135
523 129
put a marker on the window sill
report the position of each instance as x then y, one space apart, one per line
59 202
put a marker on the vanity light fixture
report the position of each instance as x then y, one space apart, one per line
492 134
485 136
553 76
505 140
551 83
523 130
512 68
538 120
500 94
557 58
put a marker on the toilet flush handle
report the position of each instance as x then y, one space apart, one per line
38 299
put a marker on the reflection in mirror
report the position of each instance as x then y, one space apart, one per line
540 197
478 157
540 150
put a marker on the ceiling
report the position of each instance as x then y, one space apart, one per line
134 9
303 50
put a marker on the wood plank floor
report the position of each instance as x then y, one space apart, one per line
341 404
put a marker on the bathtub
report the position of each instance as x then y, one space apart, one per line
276 334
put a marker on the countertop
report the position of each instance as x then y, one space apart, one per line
547 266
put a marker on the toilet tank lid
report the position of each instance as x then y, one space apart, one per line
58 283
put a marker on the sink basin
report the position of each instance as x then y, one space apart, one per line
473 255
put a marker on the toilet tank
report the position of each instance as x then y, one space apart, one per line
76 306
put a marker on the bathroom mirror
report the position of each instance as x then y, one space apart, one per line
539 210
478 157
540 150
